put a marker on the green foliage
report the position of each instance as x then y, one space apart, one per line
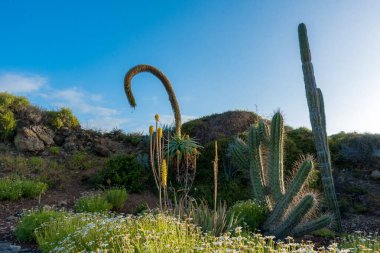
55 150
80 160
354 150
324 232
7 124
298 142
162 233
215 221
124 171
11 101
116 197
251 213
181 145
141 208
95 203
62 118
233 182
32 220
35 163
15 188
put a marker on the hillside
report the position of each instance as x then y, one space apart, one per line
51 147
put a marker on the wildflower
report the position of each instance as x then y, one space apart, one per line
157 117
151 130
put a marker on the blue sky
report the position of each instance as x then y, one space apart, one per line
219 55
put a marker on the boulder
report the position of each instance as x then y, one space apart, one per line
27 140
375 174
34 138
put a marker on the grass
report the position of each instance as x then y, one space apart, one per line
15 188
32 220
86 232
116 197
95 203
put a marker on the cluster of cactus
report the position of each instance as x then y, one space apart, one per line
318 123
262 155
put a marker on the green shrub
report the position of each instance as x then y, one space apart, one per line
116 197
7 124
251 213
55 150
11 101
124 171
62 118
14 188
324 232
35 163
30 221
141 208
80 160
95 203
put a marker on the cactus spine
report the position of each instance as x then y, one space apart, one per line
165 81
318 123
267 179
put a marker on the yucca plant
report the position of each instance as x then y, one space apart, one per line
263 155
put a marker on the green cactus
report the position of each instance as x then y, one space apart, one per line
262 155
165 81
318 123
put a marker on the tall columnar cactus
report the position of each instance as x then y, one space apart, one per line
318 123
262 155
165 81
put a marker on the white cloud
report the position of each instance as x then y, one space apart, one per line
79 101
21 83
106 123
167 119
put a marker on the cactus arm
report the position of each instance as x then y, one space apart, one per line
165 81
263 132
295 216
239 152
293 189
276 156
318 123
313 225
256 165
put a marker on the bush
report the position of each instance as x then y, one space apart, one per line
11 101
7 124
62 118
116 197
30 221
124 171
55 150
94 203
13 188
353 150
251 213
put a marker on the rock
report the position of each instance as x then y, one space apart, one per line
44 134
62 203
59 139
11 218
70 146
27 140
375 175
101 150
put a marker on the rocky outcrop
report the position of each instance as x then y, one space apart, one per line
215 126
34 139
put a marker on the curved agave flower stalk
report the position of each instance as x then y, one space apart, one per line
165 81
